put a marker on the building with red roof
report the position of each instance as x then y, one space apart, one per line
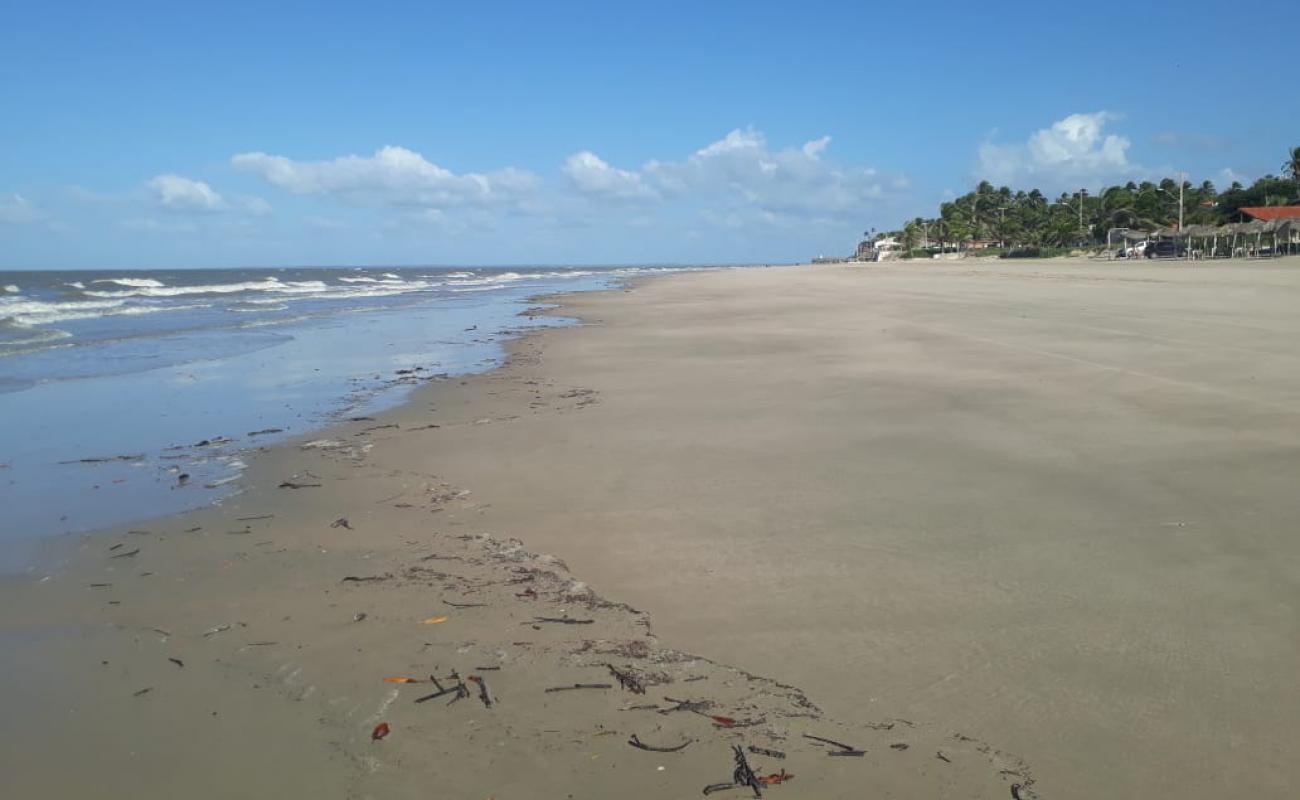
1273 212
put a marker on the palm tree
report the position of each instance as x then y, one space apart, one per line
1291 167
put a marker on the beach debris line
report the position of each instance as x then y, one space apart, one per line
381 730
844 749
640 745
579 686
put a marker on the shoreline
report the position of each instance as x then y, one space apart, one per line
974 512
165 579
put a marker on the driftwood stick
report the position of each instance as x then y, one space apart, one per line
561 620
763 751
638 744
581 686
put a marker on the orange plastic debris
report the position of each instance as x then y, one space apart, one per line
435 620
400 679
381 730
775 778
725 722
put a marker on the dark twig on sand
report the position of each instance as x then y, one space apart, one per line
177 662
763 751
560 620
292 485
250 519
127 554
465 605
484 693
627 680
581 686
460 690
640 745
693 706
142 692
341 522
939 755
743 776
844 749
363 578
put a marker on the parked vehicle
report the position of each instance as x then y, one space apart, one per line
1132 251
1163 249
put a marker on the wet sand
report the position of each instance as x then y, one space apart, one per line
1037 518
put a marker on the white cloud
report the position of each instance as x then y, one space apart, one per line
392 176
255 206
16 210
745 171
1073 150
593 176
178 193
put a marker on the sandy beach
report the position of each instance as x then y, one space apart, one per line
989 524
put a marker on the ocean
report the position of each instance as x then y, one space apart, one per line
113 385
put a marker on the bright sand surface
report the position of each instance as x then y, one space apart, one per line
1049 507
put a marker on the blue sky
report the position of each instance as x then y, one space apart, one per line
141 134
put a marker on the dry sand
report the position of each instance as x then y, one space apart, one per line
974 509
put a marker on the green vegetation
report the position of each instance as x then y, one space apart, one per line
1023 221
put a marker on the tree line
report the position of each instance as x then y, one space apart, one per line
1025 220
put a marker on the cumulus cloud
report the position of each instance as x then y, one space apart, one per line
178 193
591 175
16 210
1073 150
742 169
392 176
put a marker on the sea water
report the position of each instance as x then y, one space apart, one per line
115 384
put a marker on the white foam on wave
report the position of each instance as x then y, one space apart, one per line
76 285
504 277
36 312
141 282
12 288
264 285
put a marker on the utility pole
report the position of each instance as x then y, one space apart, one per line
1082 192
